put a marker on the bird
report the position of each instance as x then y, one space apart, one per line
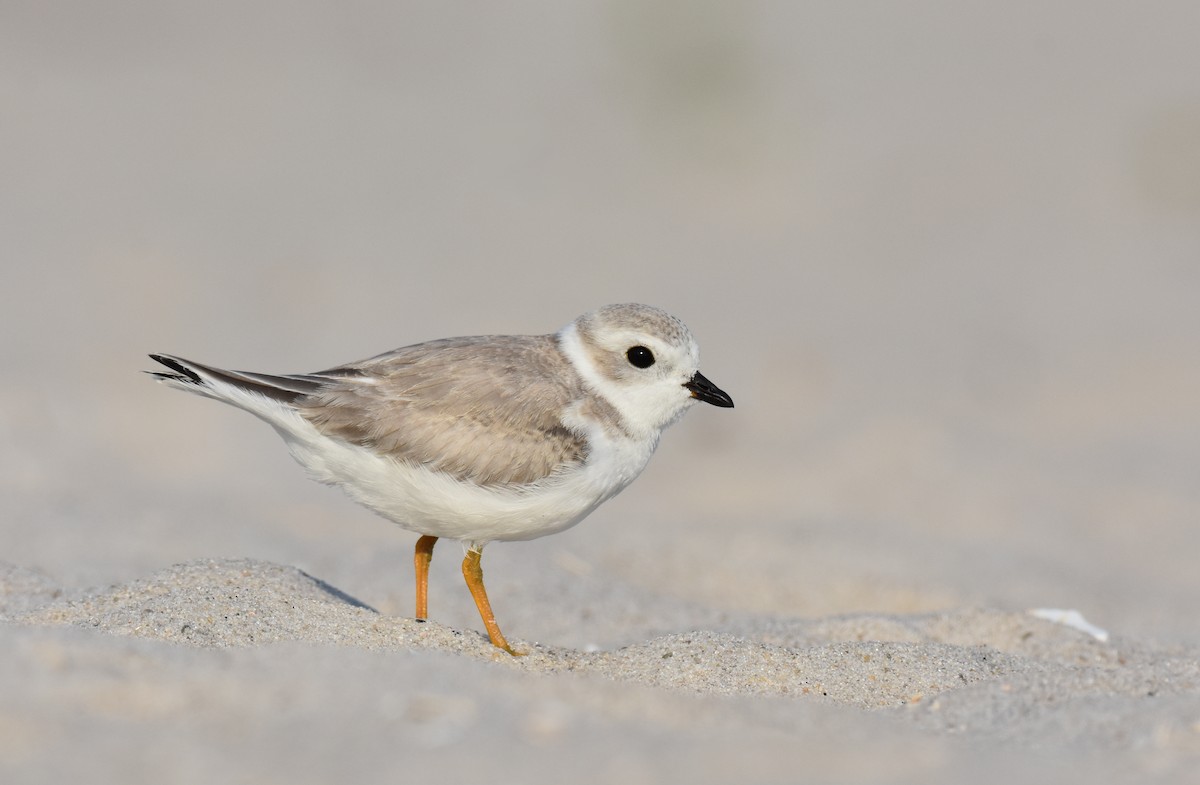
483 438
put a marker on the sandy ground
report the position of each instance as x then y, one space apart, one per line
944 259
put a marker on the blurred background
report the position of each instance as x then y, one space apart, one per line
944 256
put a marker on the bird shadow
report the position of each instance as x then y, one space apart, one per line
338 594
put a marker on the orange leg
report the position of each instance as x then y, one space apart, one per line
474 575
421 558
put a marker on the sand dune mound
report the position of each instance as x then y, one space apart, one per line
868 661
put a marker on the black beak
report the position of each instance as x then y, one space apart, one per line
708 392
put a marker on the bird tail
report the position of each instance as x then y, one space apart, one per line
219 383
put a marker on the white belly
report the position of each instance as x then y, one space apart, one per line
436 504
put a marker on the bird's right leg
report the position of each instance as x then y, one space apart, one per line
421 558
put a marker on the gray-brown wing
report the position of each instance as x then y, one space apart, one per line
482 409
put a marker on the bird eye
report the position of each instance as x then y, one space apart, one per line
640 357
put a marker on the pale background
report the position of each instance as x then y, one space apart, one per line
945 257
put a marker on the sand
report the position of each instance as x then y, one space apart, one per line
943 257
245 670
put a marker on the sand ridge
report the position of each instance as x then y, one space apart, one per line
988 674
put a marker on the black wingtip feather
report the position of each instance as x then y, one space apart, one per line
182 372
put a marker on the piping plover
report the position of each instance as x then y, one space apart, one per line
499 437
